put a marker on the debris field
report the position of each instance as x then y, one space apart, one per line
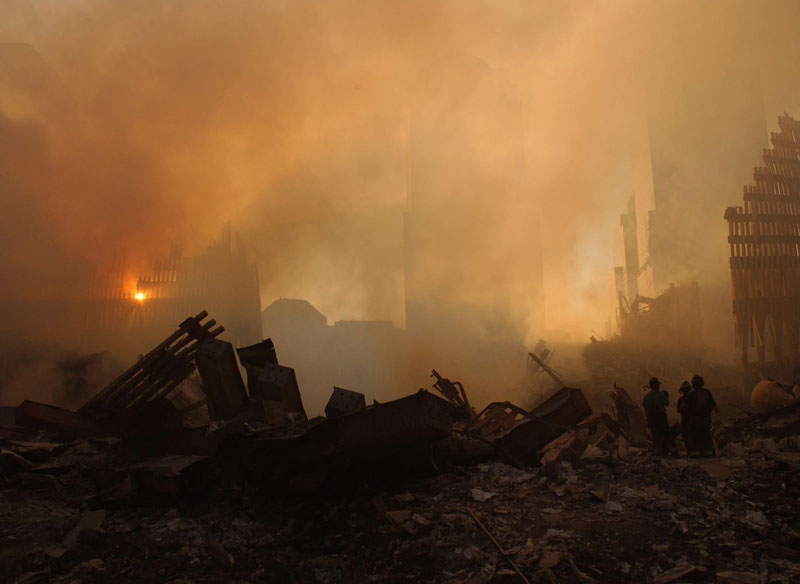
152 481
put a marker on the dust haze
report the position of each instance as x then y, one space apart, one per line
128 126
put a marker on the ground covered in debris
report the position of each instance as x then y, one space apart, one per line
610 516
152 481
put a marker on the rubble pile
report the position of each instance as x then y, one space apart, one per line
605 516
775 434
419 489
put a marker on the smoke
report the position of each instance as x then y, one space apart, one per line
126 126
47 373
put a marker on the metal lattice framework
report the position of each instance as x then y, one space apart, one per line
764 238
159 372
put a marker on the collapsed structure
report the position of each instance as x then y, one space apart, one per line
136 485
662 335
222 279
262 426
764 238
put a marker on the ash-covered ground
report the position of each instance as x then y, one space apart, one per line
612 514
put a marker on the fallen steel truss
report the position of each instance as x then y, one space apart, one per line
159 372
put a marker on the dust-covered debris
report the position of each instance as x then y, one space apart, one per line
613 519
380 494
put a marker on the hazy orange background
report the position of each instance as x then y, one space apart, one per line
146 123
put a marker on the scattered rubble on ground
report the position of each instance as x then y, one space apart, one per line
139 486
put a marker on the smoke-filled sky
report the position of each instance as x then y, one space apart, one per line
127 126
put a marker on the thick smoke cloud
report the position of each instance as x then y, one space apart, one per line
125 126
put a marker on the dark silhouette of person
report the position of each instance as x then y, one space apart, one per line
655 408
683 409
700 405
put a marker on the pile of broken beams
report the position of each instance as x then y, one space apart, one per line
261 428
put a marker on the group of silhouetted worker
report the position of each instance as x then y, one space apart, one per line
695 405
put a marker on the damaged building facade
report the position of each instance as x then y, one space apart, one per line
764 240
222 279
667 242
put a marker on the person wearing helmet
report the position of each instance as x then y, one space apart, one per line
655 408
701 404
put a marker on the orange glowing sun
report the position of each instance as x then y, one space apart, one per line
139 296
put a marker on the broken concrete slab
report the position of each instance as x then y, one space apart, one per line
222 382
343 401
258 355
276 383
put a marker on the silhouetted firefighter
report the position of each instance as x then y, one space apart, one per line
655 408
701 404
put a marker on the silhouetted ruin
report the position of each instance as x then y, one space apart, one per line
496 342
764 238
222 279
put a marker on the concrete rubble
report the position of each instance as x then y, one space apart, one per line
138 486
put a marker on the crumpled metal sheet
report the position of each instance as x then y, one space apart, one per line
521 434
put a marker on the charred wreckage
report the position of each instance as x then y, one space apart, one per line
139 484
262 426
